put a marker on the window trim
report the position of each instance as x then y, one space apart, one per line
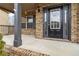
52 10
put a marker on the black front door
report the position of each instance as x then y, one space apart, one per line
56 22
55 26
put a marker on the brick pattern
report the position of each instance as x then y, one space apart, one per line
13 51
78 23
39 23
28 31
6 29
75 22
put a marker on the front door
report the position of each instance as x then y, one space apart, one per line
56 22
55 28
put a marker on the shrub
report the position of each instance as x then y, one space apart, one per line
1 44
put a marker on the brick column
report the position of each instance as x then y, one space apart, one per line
39 23
75 22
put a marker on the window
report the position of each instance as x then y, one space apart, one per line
30 22
55 22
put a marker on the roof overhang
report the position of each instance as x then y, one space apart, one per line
26 7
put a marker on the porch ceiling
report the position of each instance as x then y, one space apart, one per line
26 7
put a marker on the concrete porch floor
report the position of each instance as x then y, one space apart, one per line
51 47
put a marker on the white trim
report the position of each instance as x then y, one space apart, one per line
58 9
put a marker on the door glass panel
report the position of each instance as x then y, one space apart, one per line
55 22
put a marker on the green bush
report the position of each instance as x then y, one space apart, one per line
1 36
1 44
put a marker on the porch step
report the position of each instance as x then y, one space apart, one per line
58 39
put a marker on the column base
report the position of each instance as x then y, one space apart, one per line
17 43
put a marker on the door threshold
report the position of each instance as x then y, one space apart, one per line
58 39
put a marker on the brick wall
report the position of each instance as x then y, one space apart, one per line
75 22
28 31
39 23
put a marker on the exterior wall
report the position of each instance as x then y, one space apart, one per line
38 32
3 30
7 28
4 21
75 22
4 18
39 23
27 31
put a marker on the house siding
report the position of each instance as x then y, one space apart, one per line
4 21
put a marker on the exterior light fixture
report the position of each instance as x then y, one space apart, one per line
14 10
38 8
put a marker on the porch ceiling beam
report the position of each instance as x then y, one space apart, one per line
17 28
7 10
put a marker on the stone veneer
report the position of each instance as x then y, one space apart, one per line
13 51
75 22
39 23
28 31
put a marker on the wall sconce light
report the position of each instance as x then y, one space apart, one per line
38 10
14 10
